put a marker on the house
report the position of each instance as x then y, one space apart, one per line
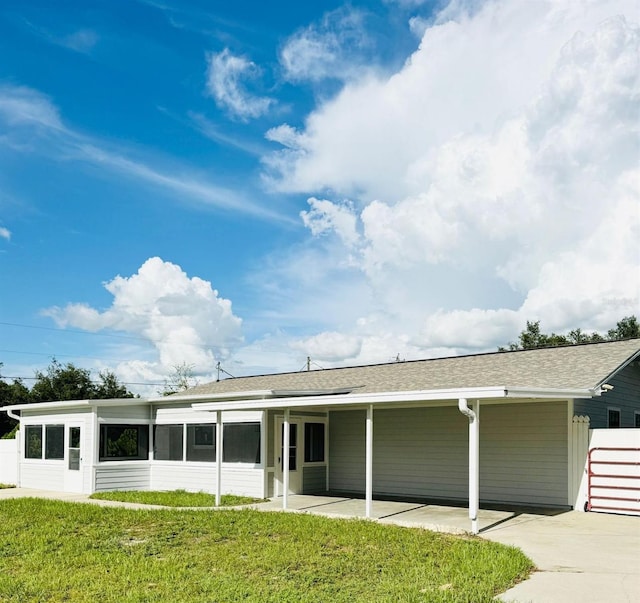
493 427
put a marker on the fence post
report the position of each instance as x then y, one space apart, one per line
579 452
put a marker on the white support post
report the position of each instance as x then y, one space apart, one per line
218 458
369 463
285 459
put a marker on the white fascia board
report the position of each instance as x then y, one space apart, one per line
75 404
260 394
482 393
354 399
549 392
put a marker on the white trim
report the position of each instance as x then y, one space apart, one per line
395 398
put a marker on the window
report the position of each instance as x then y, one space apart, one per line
314 442
167 442
613 417
201 442
33 442
124 442
54 442
241 443
637 418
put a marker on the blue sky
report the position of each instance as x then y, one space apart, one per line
253 183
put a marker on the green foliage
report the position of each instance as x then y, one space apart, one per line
532 337
58 382
174 498
80 552
69 382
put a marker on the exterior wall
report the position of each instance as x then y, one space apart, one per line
135 412
314 479
52 474
423 453
625 395
201 477
9 461
122 475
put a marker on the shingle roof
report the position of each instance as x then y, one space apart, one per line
571 367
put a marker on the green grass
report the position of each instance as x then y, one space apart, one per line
58 551
175 498
3 486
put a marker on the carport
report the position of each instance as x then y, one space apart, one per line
467 400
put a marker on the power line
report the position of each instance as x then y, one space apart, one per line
90 380
113 335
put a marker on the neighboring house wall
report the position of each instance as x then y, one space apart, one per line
9 461
423 453
624 396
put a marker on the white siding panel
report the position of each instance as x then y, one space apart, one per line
43 475
122 476
201 477
186 414
134 412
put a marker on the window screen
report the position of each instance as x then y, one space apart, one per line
124 442
167 442
54 442
241 443
201 442
33 442
313 442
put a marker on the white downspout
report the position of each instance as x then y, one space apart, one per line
13 415
474 459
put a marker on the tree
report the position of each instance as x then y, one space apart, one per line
181 379
110 387
627 328
532 337
69 382
11 393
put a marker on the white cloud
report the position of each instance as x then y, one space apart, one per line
330 346
226 77
5 233
184 319
82 40
33 124
494 179
330 49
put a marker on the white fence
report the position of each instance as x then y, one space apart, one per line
9 461
606 469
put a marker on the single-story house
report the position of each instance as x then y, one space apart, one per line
494 427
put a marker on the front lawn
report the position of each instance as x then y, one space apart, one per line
174 498
59 551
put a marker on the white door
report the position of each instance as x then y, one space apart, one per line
295 451
74 472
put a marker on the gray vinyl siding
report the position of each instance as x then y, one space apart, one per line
423 453
625 395
524 453
314 479
123 476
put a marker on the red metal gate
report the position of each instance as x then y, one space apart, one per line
614 480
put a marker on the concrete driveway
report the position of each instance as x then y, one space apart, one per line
581 557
